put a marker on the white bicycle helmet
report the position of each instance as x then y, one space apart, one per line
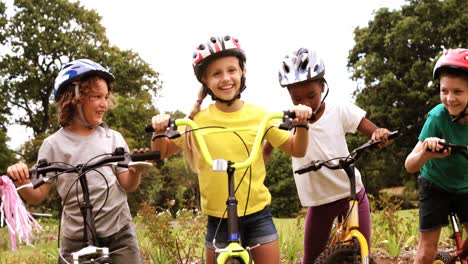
299 66
75 70
216 47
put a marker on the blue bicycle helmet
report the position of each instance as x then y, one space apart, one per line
76 70
299 66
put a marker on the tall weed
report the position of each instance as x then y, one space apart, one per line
176 237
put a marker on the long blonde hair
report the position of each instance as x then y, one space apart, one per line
191 147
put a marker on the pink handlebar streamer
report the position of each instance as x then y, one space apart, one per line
19 221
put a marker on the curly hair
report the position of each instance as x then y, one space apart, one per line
67 105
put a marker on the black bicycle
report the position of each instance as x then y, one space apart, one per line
43 172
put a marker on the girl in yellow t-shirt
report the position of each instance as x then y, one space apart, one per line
219 65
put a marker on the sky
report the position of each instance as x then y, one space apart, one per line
165 34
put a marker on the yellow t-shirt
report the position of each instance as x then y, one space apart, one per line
232 147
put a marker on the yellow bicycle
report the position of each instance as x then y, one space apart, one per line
234 252
346 243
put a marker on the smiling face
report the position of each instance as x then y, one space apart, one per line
223 77
453 93
95 101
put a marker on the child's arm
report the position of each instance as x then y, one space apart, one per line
296 145
20 174
267 150
130 179
375 133
164 145
418 157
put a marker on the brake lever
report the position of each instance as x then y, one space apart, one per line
172 131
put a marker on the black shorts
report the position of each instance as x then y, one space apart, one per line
435 205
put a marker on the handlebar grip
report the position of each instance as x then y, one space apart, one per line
150 155
149 128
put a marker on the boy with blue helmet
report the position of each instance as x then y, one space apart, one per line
82 94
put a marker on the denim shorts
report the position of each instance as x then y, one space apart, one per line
254 229
435 205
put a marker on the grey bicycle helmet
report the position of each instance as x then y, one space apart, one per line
299 66
74 71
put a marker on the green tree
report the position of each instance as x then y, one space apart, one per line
6 155
38 38
280 182
392 62
43 35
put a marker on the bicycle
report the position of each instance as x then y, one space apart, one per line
346 244
460 253
234 252
92 253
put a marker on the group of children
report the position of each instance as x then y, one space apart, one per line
82 91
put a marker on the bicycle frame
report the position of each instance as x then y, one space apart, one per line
234 248
351 226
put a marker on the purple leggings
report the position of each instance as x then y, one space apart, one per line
319 221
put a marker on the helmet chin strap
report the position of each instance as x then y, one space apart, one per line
461 115
314 112
81 117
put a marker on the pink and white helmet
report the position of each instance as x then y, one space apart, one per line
216 47
299 66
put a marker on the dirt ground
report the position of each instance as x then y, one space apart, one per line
405 257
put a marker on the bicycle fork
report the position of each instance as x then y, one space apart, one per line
462 248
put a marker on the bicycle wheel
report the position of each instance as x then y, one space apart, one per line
234 261
442 258
342 254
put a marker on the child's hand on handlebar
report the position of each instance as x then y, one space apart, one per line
303 113
19 172
160 123
433 149
141 166
381 134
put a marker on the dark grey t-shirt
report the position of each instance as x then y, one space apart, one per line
65 146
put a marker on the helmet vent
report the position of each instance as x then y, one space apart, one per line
316 67
304 64
285 67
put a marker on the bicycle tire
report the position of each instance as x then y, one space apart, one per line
342 253
442 258
234 261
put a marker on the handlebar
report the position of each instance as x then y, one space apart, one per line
453 148
37 174
315 165
220 164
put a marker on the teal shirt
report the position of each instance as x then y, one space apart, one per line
449 173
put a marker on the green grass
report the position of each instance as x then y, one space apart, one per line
290 232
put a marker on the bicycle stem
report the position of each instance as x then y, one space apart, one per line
233 228
89 229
